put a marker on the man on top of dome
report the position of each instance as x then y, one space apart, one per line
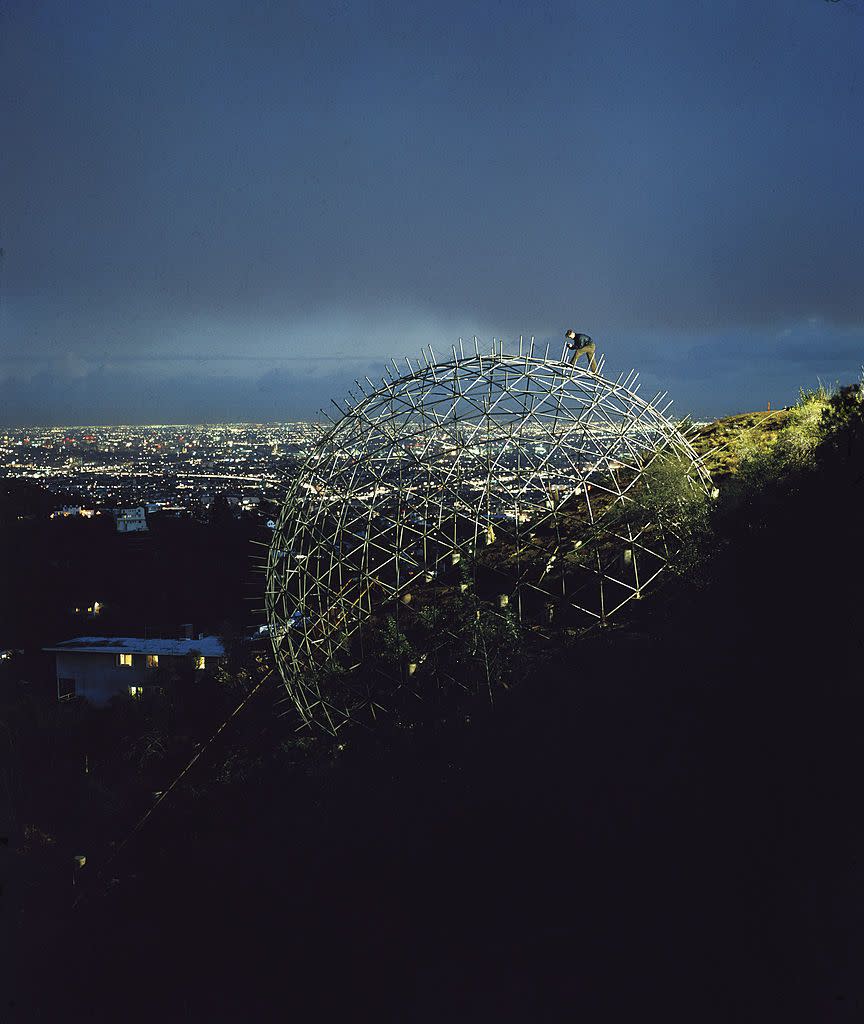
579 345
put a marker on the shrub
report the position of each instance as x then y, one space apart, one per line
671 497
842 421
394 646
793 451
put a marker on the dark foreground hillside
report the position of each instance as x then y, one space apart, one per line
662 820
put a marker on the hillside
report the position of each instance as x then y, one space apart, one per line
654 816
724 442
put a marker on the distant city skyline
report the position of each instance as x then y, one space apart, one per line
223 212
180 467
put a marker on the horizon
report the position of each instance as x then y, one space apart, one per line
783 390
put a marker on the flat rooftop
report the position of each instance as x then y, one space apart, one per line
207 646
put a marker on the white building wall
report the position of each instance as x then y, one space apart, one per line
97 676
132 520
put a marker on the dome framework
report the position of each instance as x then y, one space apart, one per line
543 486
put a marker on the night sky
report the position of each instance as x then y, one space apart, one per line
227 210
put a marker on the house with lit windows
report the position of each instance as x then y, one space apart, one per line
98 668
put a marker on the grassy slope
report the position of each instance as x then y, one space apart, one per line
723 442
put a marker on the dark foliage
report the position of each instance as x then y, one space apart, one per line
148 583
843 420
663 815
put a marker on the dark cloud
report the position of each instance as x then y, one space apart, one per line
714 374
104 397
234 179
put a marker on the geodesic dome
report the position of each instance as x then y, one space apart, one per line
551 490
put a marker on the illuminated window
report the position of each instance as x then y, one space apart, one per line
136 691
124 660
199 663
152 661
